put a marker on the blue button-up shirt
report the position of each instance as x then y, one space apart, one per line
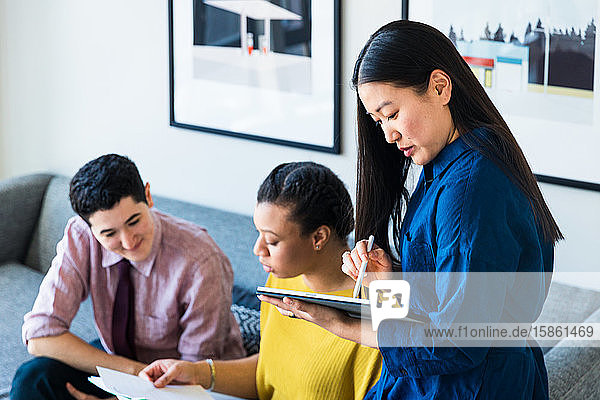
465 216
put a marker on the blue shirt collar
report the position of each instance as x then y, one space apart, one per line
447 156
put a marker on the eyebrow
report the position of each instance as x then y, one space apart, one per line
385 103
134 216
269 231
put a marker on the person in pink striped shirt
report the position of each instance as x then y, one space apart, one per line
174 288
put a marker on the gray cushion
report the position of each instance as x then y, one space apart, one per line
235 234
20 202
55 213
18 289
574 368
560 294
555 309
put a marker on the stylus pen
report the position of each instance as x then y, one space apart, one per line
363 268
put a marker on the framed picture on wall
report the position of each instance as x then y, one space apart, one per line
265 70
537 62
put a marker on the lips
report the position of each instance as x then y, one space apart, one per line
267 268
408 151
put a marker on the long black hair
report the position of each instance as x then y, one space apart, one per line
404 54
314 195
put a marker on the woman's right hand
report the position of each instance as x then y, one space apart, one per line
379 264
163 372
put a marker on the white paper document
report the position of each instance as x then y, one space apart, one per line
126 386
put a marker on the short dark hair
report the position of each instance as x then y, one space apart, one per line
404 54
314 194
103 182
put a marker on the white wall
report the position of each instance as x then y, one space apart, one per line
80 78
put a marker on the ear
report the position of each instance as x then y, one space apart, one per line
321 237
148 195
440 86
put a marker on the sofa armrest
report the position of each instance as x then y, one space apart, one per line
20 204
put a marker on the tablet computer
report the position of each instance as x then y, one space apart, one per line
356 308
351 306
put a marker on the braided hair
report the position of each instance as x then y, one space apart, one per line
314 195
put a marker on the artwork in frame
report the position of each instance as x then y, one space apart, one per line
537 61
257 69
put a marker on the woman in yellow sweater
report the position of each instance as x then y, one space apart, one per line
303 215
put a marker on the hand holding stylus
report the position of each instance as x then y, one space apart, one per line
363 268
377 260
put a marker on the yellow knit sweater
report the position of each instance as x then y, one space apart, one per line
300 360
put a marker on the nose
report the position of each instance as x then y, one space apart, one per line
259 248
391 134
128 239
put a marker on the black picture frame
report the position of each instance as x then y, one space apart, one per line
335 142
554 180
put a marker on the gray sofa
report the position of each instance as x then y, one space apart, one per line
34 210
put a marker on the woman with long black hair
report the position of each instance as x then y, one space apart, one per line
476 209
